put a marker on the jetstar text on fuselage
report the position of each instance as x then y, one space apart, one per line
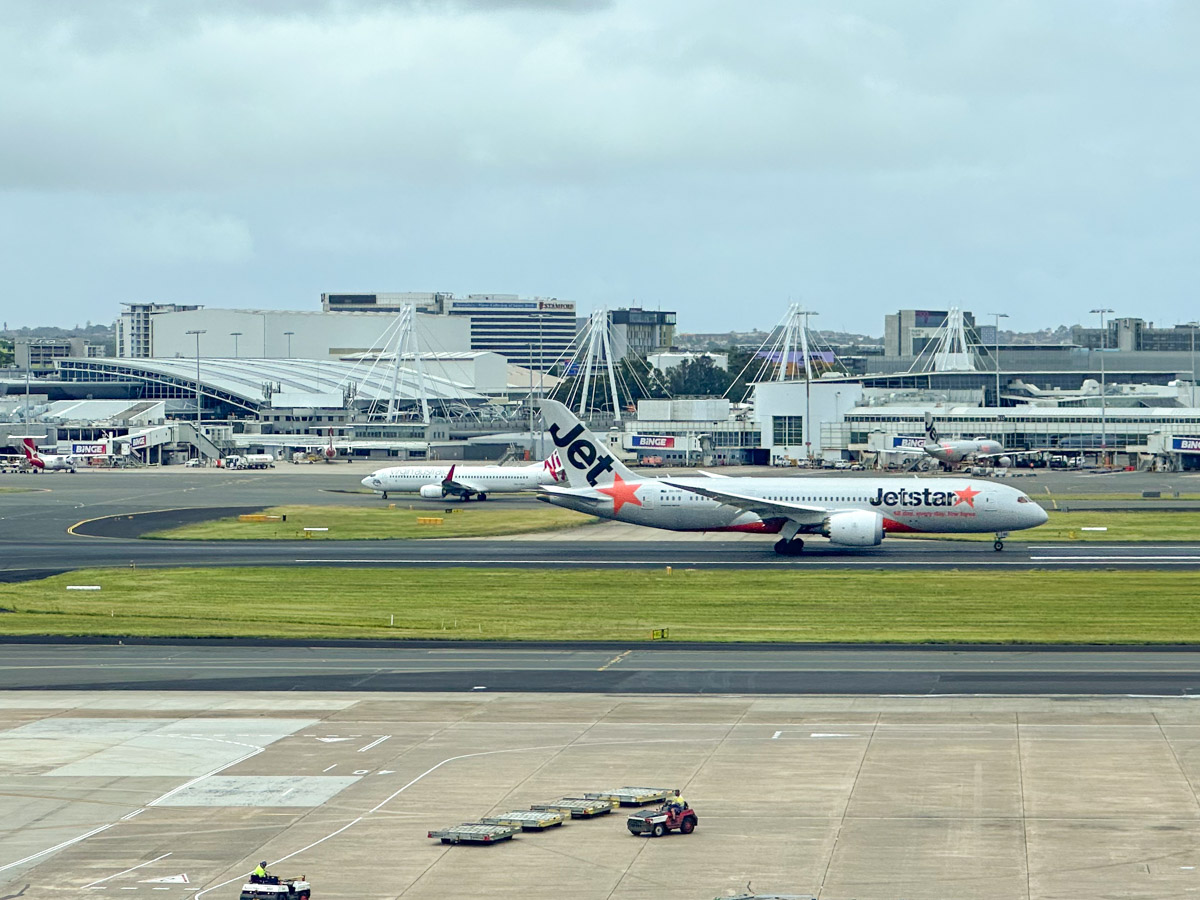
924 497
582 453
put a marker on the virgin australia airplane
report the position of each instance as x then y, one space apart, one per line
436 482
851 512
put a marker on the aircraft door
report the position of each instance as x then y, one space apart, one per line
989 501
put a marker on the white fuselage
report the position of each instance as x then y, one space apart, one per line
932 505
957 451
481 479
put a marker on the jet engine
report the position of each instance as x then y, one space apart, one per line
432 492
854 528
1004 462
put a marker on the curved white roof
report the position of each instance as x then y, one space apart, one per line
247 380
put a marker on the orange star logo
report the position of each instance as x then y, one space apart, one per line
622 492
967 496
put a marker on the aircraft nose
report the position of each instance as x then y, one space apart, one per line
1037 515
366 482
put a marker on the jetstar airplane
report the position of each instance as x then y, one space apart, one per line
45 462
951 453
464 482
851 512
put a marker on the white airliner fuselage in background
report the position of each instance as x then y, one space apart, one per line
851 512
951 453
433 482
46 462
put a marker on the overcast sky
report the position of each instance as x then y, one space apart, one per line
715 158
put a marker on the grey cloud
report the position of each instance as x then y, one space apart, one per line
882 153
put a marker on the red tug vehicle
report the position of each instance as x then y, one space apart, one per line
668 817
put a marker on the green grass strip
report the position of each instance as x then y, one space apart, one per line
1144 525
395 521
523 604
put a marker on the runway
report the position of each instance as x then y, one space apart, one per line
26 560
34 539
608 669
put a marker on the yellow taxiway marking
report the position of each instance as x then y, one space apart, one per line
615 659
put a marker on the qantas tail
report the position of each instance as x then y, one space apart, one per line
31 453
583 457
330 453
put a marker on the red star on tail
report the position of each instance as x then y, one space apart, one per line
967 496
622 492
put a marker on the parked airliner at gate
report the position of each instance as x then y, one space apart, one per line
851 512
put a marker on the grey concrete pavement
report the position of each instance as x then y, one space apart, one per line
837 797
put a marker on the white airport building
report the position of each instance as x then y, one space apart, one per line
284 334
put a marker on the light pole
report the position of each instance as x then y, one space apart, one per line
197 333
541 317
807 385
235 335
998 316
1192 394
288 335
1103 384
531 445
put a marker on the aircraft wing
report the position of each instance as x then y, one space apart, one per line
459 486
573 494
768 509
1011 453
712 474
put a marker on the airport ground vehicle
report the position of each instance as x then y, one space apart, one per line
249 461
666 818
272 887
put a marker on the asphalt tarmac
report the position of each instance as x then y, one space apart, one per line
118 505
26 560
596 668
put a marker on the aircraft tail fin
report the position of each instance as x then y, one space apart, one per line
585 458
553 466
931 434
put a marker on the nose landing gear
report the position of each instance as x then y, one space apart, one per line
1000 536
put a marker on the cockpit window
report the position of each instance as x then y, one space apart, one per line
1023 499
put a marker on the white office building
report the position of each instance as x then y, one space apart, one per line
298 334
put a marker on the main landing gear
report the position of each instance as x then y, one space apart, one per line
794 547
1000 536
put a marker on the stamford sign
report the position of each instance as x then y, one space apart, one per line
1186 444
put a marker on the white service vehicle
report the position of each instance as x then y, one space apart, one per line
250 461
273 888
